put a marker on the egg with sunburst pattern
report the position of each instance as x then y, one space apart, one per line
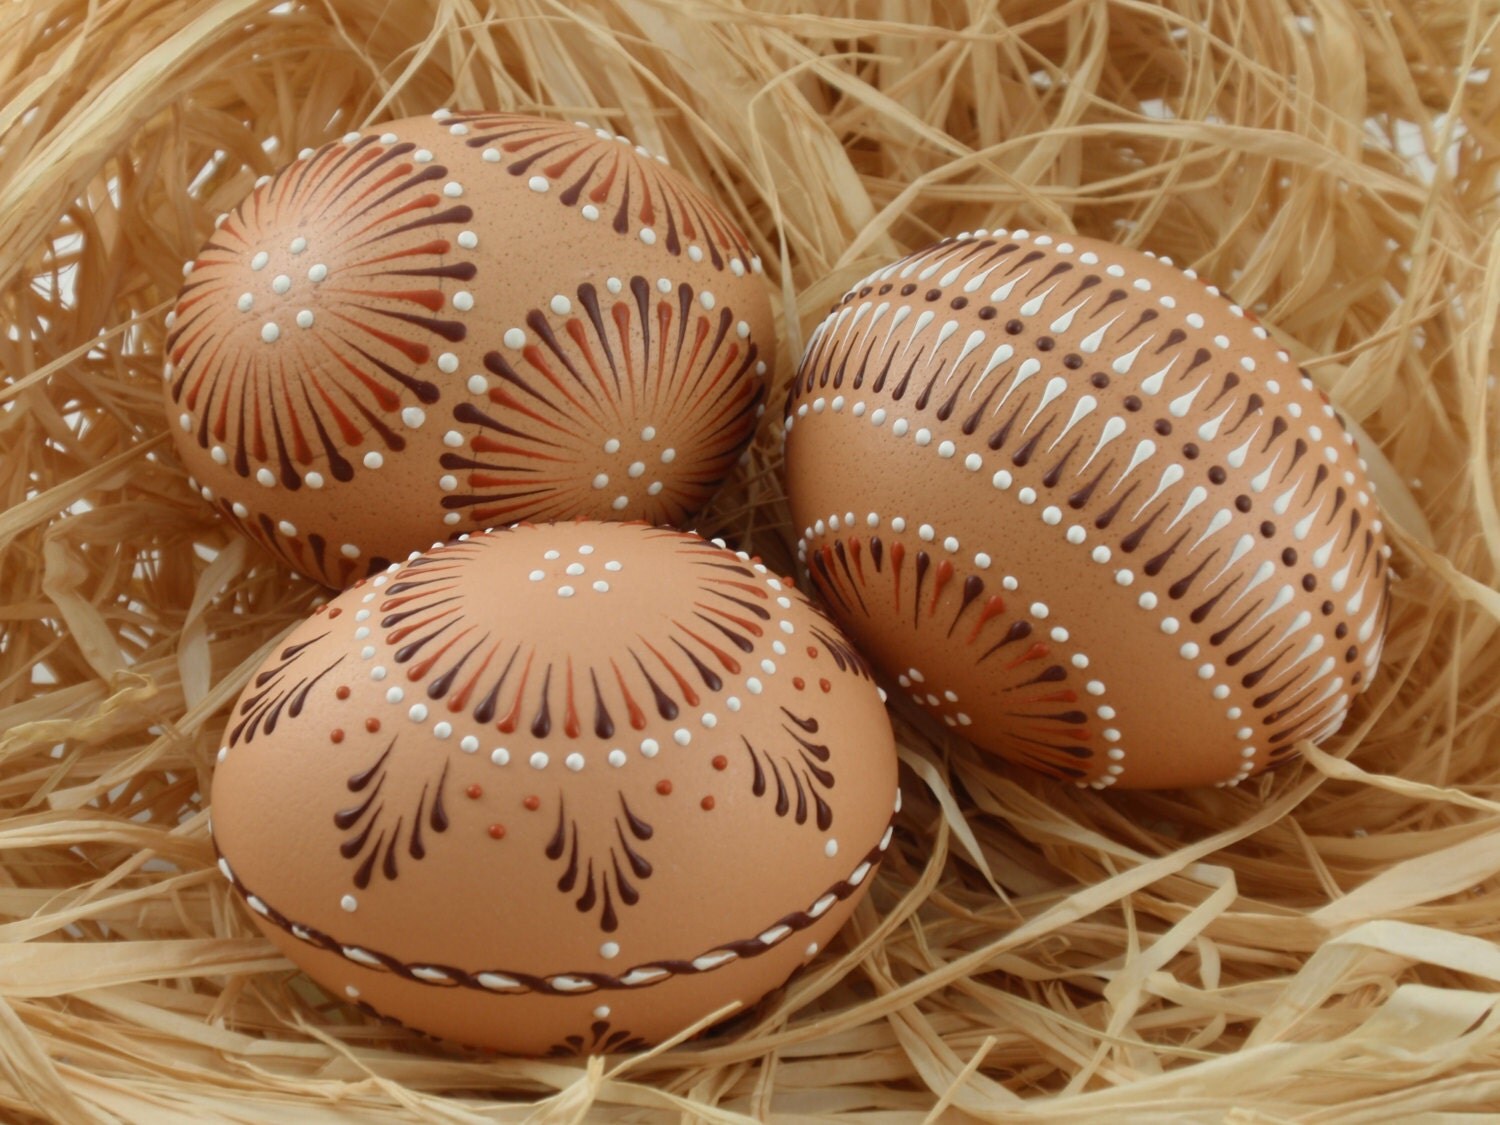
446 323
455 801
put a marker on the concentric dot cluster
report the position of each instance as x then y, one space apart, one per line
1051 515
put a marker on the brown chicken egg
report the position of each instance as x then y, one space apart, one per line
439 324
557 789
1084 510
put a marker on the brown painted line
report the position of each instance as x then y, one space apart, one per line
570 984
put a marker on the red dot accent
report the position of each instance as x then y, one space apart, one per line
343 692
707 803
474 792
497 832
812 652
336 735
825 685
720 762
334 612
372 725
532 803
798 682
664 787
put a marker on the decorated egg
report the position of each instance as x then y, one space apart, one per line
1085 511
557 789
440 324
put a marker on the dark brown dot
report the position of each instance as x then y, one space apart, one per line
908 290
1163 427
1132 402
342 692
933 294
531 804
1289 556
1190 451
707 803
1309 582
865 292
1242 502
336 735
1267 528
1217 475
1045 343
1073 361
958 302
1099 379
886 288
1341 630
1350 653
474 792
1327 609
720 762
987 313
497 831
664 787
1014 327
1354 679
372 725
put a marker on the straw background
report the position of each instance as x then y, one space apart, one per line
1316 945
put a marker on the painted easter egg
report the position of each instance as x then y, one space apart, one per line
557 789
1086 512
441 324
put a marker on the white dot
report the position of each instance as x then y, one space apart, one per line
620 503
589 212
245 302
1101 554
463 300
1147 600
982 561
349 551
1169 625
468 239
1124 577
649 747
565 591
1052 515
1002 479
373 459
317 273
298 245
286 528
682 736
394 695
349 903
609 950
574 762
270 332
831 848
281 283
413 416
468 744
561 305
500 756
259 261
265 477
648 236
305 318
539 760
616 758
447 363
418 713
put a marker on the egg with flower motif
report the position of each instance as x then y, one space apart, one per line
1084 510
443 323
558 789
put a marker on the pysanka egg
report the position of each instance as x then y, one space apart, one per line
1085 511
565 788
440 324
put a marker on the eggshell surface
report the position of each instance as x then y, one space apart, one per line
557 789
442 324
1085 511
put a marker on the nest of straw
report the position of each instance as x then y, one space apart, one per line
1315 945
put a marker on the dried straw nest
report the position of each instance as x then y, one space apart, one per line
1314 946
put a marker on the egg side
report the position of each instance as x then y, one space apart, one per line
440 324
1086 512
558 789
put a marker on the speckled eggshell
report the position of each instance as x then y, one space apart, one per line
565 788
1084 510
441 324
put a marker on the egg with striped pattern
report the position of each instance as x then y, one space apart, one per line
1085 511
443 323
